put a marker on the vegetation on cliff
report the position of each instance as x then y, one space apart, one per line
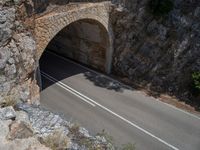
160 7
196 83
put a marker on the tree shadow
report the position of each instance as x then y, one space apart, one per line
61 69
105 82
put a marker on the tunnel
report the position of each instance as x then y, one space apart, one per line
85 42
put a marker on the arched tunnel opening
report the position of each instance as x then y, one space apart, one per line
84 42
66 70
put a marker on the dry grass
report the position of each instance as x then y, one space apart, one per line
108 138
74 128
8 101
56 141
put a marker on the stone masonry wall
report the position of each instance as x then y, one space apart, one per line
85 41
18 54
49 23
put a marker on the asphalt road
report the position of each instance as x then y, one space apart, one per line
100 103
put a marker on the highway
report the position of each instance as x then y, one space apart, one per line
98 103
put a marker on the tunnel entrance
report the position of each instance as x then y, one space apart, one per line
85 41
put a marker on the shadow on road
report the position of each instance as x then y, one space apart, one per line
105 82
61 69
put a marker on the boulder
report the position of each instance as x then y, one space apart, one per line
7 113
23 144
4 126
19 130
6 24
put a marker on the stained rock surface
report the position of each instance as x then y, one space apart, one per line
36 128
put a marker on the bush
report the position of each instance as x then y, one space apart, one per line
56 141
87 143
8 101
160 7
108 138
196 80
74 129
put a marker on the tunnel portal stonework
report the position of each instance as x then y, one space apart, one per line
48 25
28 27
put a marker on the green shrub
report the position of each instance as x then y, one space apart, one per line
196 80
160 7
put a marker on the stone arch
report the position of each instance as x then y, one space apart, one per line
49 25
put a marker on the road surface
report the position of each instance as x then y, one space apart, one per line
100 103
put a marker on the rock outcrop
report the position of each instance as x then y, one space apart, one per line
17 57
32 127
159 53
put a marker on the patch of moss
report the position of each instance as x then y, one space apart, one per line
196 80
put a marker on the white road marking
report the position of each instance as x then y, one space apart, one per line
65 59
60 84
93 103
171 106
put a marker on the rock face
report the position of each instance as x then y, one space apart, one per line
7 113
159 53
17 57
19 136
34 128
19 130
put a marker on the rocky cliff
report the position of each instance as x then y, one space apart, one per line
17 55
158 52
34 128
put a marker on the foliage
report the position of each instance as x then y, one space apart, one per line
56 141
8 101
108 138
87 143
196 80
160 7
128 146
74 129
